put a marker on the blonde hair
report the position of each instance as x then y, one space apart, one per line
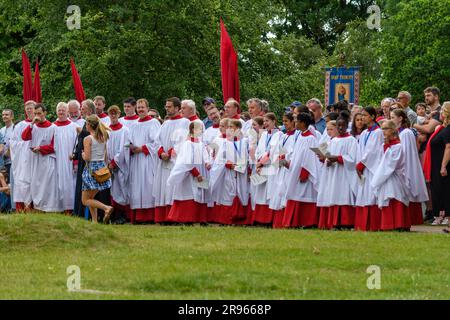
333 123
446 113
391 125
225 122
114 109
101 131
145 101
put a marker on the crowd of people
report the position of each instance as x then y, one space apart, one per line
369 169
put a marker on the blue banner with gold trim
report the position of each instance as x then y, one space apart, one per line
342 83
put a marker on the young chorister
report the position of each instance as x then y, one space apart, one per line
118 154
229 180
285 146
336 196
189 179
370 152
173 131
391 184
413 168
302 179
266 155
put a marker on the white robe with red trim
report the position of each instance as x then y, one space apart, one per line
190 155
119 154
267 147
142 166
413 168
226 184
302 158
129 121
337 182
390 181
370 152
172 133
286 147
210 135
65 138
44 176
21 164
105 119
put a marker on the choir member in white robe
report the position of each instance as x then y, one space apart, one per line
413 168
100 104
190 197
336 197
391 184
64 140
75 113
267 155
144 148
118 156
214 131
130 118
370 152
255 109
231 111
214 215
286 147
173 131
229 177
21 159
189 111
43 164
302 179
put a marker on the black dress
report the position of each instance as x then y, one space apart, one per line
78 206
440 186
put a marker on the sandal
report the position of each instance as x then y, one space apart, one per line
108 215
437 221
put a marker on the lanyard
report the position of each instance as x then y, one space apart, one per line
299 132
372 129
238 151
286 139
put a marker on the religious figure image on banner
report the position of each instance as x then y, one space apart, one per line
342 92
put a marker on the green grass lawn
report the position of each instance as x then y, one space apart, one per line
154 262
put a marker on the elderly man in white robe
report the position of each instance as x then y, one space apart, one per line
21 162
74 108
189 111
173 131
44 176
64 140
143 149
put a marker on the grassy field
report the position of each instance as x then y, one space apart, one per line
153 262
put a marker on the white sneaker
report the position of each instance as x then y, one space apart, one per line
437 221
444 222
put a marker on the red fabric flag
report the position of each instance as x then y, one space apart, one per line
27 82
229 64
37 91
79 91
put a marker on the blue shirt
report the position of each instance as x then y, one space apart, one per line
207 122
321 125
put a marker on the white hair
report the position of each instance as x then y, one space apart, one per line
190 104
61 105
390 100
74 102
407 94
